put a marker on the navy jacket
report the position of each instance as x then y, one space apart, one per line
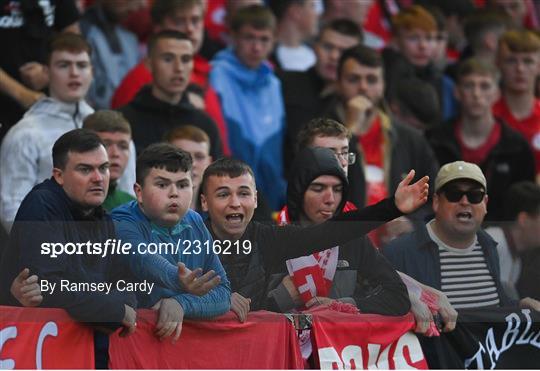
417 255
48 215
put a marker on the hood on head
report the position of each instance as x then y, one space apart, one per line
309 164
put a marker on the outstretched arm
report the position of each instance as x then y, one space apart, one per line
287 242
409 197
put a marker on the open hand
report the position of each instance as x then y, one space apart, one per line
197 285
409 197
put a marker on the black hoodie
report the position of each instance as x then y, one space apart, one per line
363 277
151 118
307 166
48 215
271 245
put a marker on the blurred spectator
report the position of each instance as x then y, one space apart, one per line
416 105
412 55
139 21
163 105
483 30
356 11
25 27
440 53
115 48
522 12
477 137
519 234
527 284
519 62
251 99
194 141
306 94
231 8
455 12
386 150
297 22
25 154
115 133
184 16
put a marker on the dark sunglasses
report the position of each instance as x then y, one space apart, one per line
474 196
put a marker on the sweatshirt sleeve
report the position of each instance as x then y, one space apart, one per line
164 272
86 306
151 267
218 300
286 242
379 288
19 157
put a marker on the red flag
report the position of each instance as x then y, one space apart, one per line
265 341
362 341
36 338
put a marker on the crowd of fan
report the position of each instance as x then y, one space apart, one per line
140 117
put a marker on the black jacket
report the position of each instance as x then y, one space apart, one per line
48 215
271 245
303 102
363 277
405 149
510 161
151 118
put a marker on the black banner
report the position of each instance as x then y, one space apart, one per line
503 338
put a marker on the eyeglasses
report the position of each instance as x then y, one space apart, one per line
455 195
349 156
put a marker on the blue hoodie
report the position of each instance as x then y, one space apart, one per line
252 104
134 227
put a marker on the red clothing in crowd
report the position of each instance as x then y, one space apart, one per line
372 144
529 127
478 155
214 20
140 75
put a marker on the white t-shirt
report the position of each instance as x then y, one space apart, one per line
295 59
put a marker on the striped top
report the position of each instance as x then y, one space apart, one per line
465 278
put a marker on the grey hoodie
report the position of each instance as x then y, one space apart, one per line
26 151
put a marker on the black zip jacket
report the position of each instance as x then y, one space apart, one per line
363 276
272 245
151 118
48 215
